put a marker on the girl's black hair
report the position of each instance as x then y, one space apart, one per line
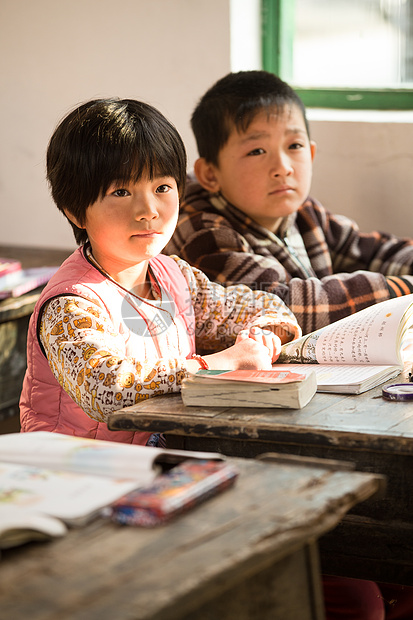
234 101
110 140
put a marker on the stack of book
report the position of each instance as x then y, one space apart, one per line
249 388
16 281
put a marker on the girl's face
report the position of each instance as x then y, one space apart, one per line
132 223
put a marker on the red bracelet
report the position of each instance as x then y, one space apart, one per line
200 361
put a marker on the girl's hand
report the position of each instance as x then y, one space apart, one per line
254 349
265 337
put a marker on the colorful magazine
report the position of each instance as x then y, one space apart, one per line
173 492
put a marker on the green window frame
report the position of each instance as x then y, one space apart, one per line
277 53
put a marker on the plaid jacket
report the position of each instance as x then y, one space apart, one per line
320 264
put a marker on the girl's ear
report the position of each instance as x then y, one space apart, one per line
206 175
73 219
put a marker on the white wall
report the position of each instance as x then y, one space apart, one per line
245 34
57 53
364 167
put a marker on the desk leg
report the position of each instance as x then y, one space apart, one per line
286 590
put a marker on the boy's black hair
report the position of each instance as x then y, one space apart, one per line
109 140
234 101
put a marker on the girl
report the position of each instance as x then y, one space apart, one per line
120 322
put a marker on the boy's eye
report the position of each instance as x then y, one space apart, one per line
120 193
295 146
258 151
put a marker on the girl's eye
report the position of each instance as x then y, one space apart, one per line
295 146
256 152
120 193
162 189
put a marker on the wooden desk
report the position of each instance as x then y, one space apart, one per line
376 540
14 320
247 553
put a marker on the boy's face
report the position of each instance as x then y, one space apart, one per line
266 170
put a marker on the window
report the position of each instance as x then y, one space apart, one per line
342 53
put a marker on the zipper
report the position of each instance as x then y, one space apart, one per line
295 257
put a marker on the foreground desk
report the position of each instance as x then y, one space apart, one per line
376 540
248 553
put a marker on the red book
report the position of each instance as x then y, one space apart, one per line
252 376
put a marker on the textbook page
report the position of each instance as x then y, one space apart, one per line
91 456
74 498
347 378
372 336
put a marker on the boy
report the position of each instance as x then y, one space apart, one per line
248 218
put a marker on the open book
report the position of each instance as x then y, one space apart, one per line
358 352
49 480
249 388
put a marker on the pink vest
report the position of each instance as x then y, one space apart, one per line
44 405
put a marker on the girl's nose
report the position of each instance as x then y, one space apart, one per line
146 209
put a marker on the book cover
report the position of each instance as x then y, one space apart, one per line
271 377
173 492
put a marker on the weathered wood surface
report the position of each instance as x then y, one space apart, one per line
249 552
14 321
35 256
372 433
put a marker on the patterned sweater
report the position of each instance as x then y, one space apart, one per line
318 263
86 351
